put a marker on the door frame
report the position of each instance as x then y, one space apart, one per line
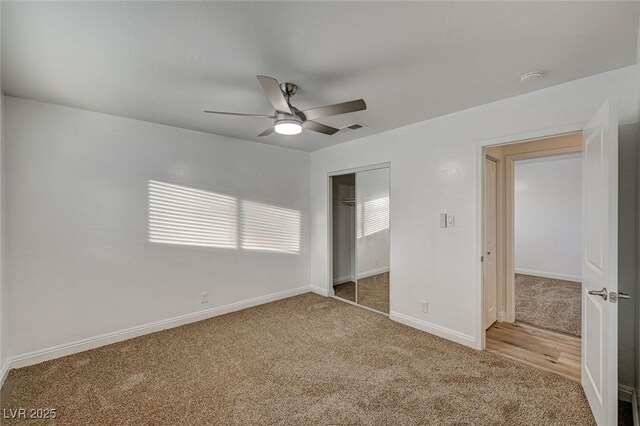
481 144
330 175
497 219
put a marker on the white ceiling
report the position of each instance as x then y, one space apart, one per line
166 62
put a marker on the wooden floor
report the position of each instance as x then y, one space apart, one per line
536 347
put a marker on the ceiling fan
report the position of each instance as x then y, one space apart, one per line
289 120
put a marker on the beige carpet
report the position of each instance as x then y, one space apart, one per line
300 361
552 304
625 413
373 292
346 290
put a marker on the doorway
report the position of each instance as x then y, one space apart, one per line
360 238
531 257
595 359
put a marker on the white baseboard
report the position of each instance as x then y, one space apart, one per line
551 275
364 274
372 272
625 393
319 290
4 371
82 345
445 333
342 280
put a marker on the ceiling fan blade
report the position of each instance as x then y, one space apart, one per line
320 128
240 114
273 92
335 109
266 132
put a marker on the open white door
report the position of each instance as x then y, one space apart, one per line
600 265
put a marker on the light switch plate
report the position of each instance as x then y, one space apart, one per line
443 220
451 221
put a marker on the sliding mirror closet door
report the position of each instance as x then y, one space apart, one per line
372 239
344 236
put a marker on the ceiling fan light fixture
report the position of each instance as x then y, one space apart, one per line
289 120
288 127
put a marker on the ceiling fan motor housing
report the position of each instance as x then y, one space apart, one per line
288 89
296 118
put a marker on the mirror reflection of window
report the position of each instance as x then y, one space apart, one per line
373 216
373 238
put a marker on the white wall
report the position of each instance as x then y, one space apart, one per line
548 217
434 169
79 260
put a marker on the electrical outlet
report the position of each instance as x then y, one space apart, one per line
425 307
204 297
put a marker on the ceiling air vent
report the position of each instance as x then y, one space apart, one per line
354 126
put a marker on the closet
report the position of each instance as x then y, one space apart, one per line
360 237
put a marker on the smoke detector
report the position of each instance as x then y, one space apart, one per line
531 76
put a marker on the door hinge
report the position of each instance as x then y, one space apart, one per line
481 258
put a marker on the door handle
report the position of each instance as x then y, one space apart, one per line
602 293
623 296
